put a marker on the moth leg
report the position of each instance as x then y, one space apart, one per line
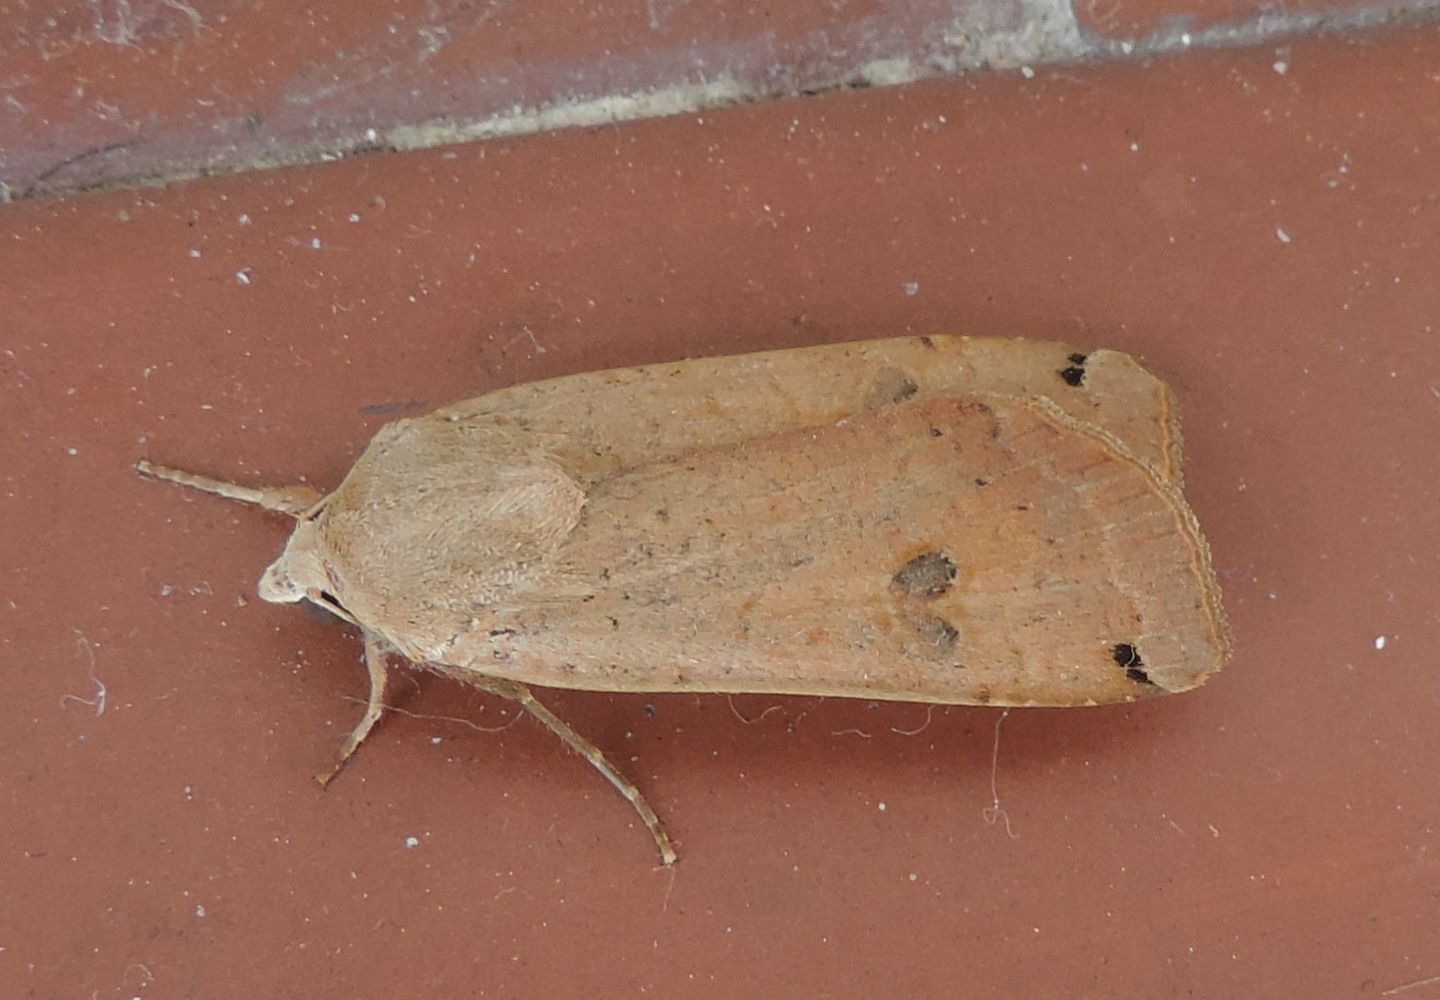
375 650
293 500
522 695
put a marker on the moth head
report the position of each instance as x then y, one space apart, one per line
300 573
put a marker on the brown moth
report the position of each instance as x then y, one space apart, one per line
934 519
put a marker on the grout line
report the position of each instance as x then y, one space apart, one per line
1049 34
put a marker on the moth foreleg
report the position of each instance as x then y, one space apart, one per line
375 650
293 500
522 695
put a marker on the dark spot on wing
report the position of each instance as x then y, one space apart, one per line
893 385
927 575
939 632
1075 373
1128 657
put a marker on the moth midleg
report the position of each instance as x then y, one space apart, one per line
522 695
375 650
293 500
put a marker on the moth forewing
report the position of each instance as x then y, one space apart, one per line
782 563
596 423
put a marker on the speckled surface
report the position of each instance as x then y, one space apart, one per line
106 93
1266 242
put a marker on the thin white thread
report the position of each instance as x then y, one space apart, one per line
525 333
669 889
97 702
929 714
1410 986
995 812
443 718
730 699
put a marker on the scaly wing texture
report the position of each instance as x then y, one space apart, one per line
598 423
950 549
439 516
944 519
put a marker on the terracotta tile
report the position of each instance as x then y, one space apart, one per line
1121 19
94 92
1264 241
118 92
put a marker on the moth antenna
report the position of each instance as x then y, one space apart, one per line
521 694
375 650
292 500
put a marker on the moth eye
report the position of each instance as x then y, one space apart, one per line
330 601
314 515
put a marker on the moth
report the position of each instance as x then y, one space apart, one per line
932 519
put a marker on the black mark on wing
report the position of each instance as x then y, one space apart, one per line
1128 657
1075 374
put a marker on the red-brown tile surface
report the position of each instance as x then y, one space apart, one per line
108 92
1138 18
94 91
1266 242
